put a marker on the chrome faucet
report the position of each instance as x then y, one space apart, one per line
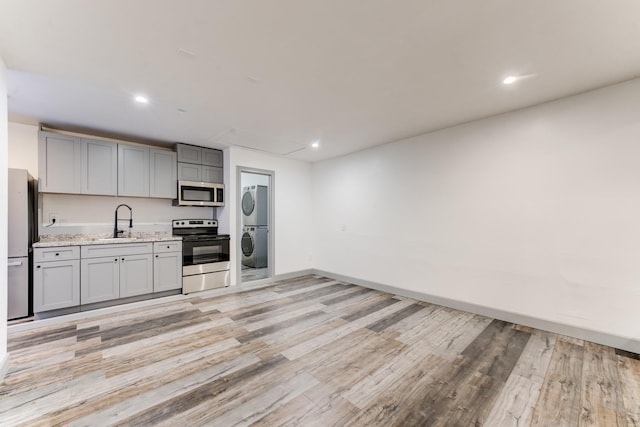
115 225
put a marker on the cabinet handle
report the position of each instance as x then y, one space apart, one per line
115 260
122 259
57 254
156 256
168 247
38 267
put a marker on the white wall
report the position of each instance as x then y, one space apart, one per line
3 219
95 214
535 212
23 147
292 208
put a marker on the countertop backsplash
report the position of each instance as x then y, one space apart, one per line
102 230
73 239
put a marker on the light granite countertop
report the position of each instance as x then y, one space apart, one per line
101 239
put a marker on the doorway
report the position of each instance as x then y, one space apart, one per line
255 220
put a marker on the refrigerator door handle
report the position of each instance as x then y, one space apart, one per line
14 264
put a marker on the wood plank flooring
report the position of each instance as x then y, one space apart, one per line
311 351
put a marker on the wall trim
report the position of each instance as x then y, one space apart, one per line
4 366
293 274
599 337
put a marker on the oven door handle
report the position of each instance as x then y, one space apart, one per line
201 238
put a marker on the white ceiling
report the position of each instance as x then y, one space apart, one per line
276 75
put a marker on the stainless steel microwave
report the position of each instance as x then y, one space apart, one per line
192 193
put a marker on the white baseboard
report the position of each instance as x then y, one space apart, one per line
4 366
293 274
599 337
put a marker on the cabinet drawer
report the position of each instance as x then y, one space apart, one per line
120 249
172 246
56 253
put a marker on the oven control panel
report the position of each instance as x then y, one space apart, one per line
194 223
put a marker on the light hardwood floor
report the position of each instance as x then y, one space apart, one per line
311 351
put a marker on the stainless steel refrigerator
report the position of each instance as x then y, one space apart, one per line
23 231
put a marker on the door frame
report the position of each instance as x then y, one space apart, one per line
271 231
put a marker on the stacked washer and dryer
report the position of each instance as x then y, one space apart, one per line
255 231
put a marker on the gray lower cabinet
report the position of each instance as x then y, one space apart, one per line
167 266
136 275
69 276
56 278
167 271
116 271
100 279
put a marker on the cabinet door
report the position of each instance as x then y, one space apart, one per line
189 153
212 174
163 174
211 157
133 170
56 285
59 163
167 271
99 167
189 172
136 275
100 279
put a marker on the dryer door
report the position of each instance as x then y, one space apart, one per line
248 203
247 244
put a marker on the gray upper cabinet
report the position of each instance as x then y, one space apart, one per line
212 174
59 163
163 174
99 167
189 172
190 158
212 157
189 153
74 165
133 170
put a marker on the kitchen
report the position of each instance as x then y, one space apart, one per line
507 216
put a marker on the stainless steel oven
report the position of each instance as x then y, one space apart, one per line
205 255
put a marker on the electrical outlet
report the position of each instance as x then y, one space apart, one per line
53 218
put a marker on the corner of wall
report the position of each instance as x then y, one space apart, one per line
3 218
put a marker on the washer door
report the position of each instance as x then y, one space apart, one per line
248 204
247 244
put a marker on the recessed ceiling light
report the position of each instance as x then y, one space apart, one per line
315 144
141 99
509 80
